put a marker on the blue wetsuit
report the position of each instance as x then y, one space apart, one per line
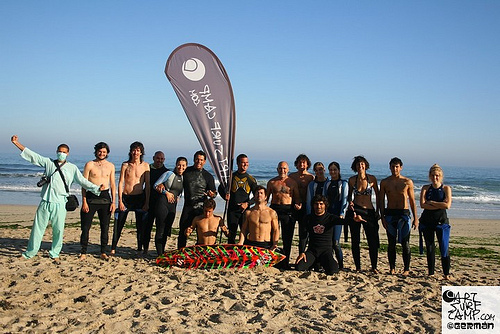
436 221
336 191
398 227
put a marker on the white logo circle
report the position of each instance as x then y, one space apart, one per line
193 69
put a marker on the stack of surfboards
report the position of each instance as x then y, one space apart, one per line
220 256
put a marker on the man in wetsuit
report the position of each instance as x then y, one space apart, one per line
320 228
133 194
284 193
242 185
198 185
260 226
207 225
302 177
396 217
98 171
156 169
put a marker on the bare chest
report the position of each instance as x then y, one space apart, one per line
134 172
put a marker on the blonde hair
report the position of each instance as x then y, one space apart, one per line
436 168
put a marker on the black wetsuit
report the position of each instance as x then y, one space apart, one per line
132 203
196 184
261 244
287 223
154 174
100 204
320 231
371 231
242 185
165 211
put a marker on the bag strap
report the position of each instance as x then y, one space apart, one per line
60 172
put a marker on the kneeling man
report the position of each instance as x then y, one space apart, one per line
207 225
320 228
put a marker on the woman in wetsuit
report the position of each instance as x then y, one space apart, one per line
316 187
170 185
336 190
361 188
435 199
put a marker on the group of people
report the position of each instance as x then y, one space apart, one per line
322 206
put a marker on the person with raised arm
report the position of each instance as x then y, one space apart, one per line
54 196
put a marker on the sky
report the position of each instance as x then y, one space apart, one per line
332 79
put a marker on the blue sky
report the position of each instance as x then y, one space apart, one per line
332 79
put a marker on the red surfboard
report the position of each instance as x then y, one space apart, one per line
220 256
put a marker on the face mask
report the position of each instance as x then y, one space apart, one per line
61 156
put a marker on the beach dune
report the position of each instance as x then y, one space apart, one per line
127 294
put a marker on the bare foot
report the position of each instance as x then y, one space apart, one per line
406 273
112 253
448 278
375 271
82 257
56 260
104 257
392 272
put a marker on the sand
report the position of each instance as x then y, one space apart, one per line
133 295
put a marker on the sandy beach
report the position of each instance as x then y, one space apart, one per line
133 295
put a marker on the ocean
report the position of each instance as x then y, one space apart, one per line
476 191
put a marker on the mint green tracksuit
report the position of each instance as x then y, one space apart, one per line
53 204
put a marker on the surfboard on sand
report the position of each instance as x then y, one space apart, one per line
219 256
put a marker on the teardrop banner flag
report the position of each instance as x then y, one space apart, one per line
204 90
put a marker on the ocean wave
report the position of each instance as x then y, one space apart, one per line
491 199
460 187
17 175
29 188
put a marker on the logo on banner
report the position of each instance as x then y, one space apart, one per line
470 309
193 69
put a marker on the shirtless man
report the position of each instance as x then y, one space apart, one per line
284 193
260 226
396 217
207 225
303 178
98 171
133 193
